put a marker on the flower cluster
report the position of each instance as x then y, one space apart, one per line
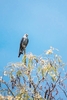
35 77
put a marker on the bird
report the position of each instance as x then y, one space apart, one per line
23 44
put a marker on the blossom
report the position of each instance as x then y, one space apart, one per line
5 73
50 51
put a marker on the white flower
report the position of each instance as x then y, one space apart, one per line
51 48
50 51
30 56
5 73
11 70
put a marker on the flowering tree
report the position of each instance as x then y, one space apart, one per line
35 77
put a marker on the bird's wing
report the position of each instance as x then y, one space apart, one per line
21 41
27 41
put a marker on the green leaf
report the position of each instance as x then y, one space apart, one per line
19 73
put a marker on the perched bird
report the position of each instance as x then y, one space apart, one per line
23 43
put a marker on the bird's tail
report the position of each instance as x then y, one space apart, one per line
20 53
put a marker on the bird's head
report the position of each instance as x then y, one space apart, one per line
26 35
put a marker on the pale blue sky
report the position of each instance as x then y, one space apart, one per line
45 21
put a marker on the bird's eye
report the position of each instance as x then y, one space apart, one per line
26 34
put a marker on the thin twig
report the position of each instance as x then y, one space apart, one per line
8 87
